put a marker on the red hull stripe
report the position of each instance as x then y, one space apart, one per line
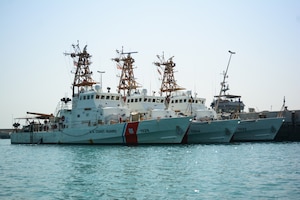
130 133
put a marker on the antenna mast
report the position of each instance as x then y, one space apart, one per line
82 75
127 82
280 114
168 84
223 87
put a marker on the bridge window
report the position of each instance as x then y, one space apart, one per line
97 96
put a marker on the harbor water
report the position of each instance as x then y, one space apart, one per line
233 171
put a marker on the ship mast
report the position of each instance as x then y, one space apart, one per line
223 87
127 82
168 84
82 74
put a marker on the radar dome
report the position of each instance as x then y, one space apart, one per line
98 88
144 91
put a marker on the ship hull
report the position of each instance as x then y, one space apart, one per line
218 131
263 129
161 131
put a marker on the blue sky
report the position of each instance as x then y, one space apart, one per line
264 34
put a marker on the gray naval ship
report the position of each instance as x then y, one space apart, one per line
290 129
250 128
253 126
231 106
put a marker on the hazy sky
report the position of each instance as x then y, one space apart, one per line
265 34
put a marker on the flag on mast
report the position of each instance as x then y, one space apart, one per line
119 66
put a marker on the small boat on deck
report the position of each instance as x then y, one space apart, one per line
93 116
